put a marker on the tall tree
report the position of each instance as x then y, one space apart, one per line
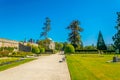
46 28
74 36
100 43
116 37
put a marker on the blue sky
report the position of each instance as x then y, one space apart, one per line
20 19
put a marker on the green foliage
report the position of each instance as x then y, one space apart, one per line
10 49
4 53
79 47
35 50
2 48
74 36
100 43
110 47
116 37
44 43
69 49
58 46
91 47
42 50
20 54
64 45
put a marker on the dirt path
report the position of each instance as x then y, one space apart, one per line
44 68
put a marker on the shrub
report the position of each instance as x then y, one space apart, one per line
20 54
42 50
4 53
10 49
35 50
69 49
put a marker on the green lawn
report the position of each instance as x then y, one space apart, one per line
13 64
4 60
92 67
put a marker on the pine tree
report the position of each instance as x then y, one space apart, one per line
116 37
74 36
100 43
46 28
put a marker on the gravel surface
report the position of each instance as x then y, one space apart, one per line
44 68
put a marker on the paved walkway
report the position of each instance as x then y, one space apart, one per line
44 68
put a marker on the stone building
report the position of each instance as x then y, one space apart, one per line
8 43
20 46
52 44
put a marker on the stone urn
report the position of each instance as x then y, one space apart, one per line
115 59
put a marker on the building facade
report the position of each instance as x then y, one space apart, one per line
8 43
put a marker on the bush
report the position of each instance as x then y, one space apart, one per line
10 49
4 53
35 50
69 49
42 50
20 54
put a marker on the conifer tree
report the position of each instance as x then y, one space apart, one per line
116 37
100 43
46 28
74 36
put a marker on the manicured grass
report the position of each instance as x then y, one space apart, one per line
7 66
4 60
93 67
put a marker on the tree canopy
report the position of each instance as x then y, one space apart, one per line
58 46
74 35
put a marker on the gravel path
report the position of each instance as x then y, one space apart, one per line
44 68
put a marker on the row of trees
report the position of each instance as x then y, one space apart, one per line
74 37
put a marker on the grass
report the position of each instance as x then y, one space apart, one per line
92 67
4 60
14 64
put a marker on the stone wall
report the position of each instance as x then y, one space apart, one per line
24 48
